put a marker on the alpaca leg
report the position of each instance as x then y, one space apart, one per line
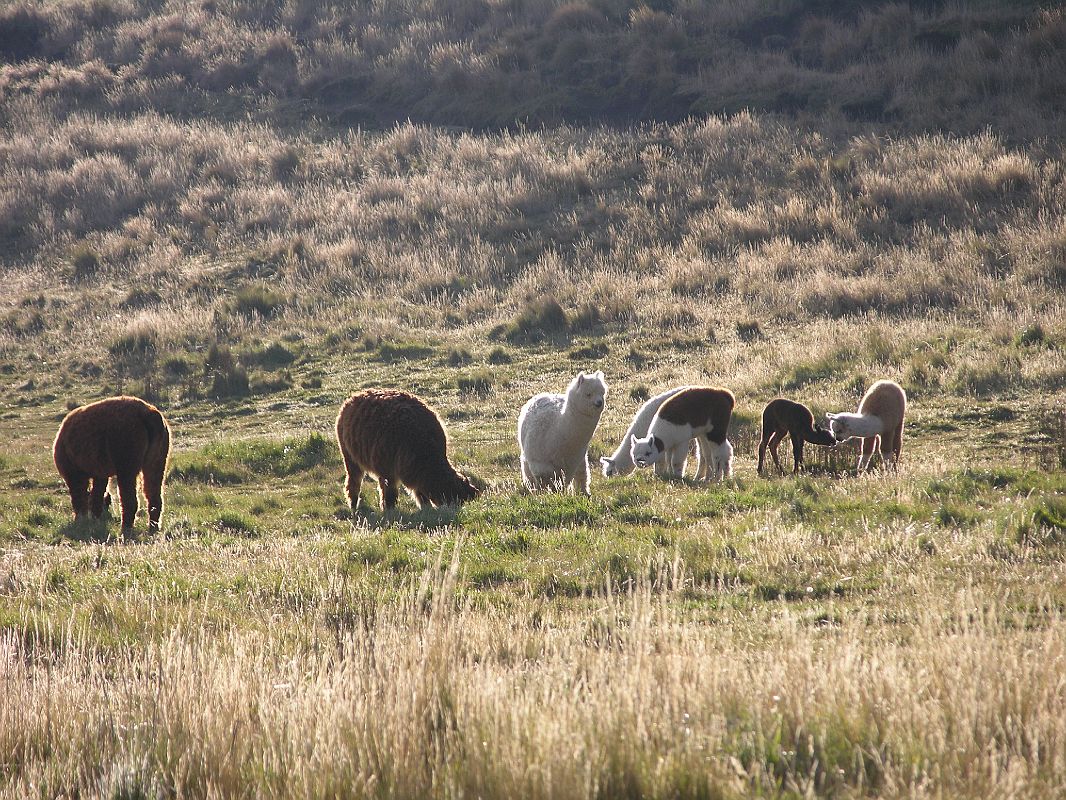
763 442
797 453
353 481
775 439
423 499
897 446
153 493
389 493
704 448
868 445
78 485
582 479
96 497
127 495
677 458
538 476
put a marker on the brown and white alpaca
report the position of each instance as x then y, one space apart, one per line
879 423
121 437
782 417
696 411
397 438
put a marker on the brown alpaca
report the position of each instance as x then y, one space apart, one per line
879 423
397 438
782 417
120 436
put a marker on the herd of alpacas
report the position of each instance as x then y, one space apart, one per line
395 437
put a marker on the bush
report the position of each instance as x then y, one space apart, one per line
226 377
478 383
274 356
85 263
22 33
749 331
458 356
538 320
1034 334
986 379
140 298
257 299
499 356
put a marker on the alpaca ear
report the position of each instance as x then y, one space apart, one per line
605 461
581 377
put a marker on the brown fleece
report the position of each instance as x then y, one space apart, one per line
698 405
782 417
887 400
397 438
120 436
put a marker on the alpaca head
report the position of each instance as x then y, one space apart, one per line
823 436
840 427
456 492
724 457
646 451
587 393
609 468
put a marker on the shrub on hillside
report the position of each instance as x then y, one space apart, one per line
538 319
226 378
84 263
257 299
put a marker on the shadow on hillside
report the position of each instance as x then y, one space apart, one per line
426 518
106 530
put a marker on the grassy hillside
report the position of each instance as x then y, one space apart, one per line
916 66
215 207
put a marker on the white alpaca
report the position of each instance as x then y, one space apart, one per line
695 412
879 423
554 431
619 463
721 457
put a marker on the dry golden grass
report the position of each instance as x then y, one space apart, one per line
937 693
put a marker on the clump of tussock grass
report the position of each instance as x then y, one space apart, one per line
257 299
226 377
538 319
85 263
478 384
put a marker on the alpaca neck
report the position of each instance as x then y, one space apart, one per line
572 412
864 425
622 458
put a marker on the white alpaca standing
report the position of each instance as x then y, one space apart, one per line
879 423
695 412
620 463
554 431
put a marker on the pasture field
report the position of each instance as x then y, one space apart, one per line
244 211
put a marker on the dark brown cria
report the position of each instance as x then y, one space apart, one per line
782 417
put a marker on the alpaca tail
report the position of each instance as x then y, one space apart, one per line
158 436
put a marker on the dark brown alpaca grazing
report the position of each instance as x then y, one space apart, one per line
120 436
783 417
397 438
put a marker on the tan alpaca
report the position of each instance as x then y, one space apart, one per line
879 423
